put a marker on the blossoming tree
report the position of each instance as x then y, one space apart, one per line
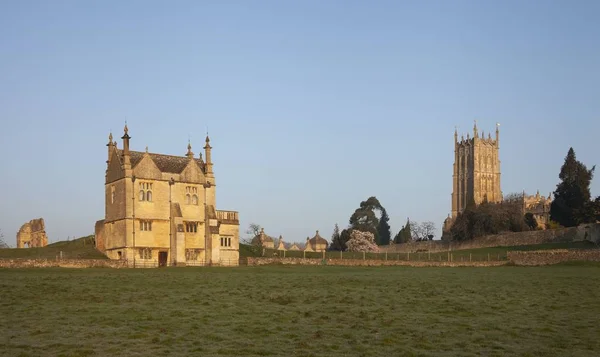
362 242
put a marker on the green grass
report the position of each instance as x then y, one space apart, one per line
301 311
81 248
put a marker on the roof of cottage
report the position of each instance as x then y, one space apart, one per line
318 239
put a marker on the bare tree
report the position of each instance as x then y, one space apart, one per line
422 231
3 244
252 231
513 197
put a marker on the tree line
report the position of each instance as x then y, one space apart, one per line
372 218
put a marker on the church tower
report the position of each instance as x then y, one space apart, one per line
476 176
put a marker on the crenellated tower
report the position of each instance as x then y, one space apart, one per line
476 176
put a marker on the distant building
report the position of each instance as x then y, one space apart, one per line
316 244
162 209
537 205
32 234
263 240
476 173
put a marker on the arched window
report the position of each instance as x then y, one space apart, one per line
188 199
195 200
149 196
142 195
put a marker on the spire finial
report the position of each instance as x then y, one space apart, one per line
475 128
110 137
126 130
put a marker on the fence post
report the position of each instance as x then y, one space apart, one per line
323 254
386 255
488 257
408 256
363 255
304 254
341 256
448 255
429 255
469 256
498 256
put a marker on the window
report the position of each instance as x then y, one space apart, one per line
192 254
145 225
145 191
191 227
225 241
145 253
112 194
191 195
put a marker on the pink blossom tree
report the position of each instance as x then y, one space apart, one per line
362 242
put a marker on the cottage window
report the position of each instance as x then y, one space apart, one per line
145 253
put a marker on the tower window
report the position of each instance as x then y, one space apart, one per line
191 227
225 241
191 195
145 191
145 225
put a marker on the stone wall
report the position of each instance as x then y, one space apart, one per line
62 263
32 234
548 257
572 234
252 261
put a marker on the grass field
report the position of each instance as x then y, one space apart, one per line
301 311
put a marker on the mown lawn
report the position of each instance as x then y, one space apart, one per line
301 311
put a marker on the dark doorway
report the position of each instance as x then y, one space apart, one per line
162 259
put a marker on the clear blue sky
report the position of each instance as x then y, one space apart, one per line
312 106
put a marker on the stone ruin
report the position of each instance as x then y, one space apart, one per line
32 234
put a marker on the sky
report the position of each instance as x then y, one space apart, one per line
312 106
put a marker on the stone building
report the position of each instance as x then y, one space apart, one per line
161 209
476 173
537 205
316 243
32 234
281 244
263 240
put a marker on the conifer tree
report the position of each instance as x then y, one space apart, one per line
336 241
407 234
572 195
383 229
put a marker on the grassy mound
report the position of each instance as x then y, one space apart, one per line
81 248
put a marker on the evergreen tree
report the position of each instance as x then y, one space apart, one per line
383 229
336 242
572 196
407 234
398 236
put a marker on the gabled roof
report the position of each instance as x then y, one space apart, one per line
165 163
